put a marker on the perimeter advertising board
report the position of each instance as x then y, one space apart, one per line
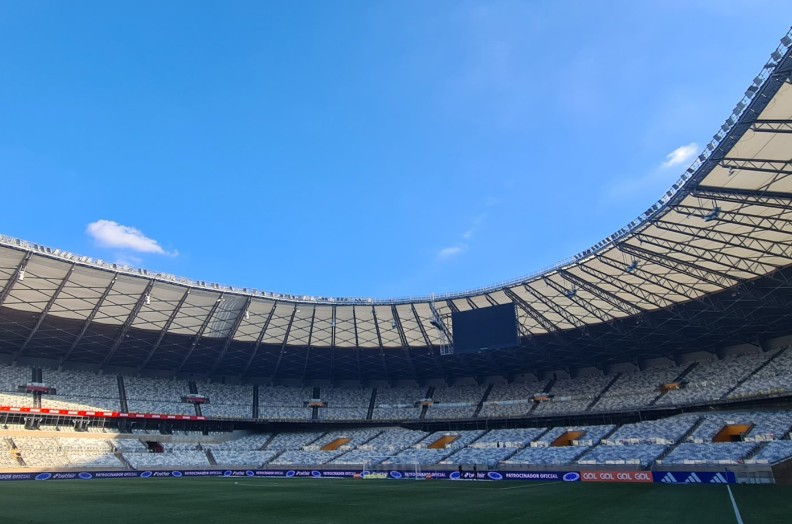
676 477
616 476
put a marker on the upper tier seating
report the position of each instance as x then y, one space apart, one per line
573 395
282 403
636 389
345 403
398 403
148 395
776 377
226 401
713 379
81 390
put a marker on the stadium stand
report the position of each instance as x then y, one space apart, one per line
149 395
345 403
282 403
227 401
398 403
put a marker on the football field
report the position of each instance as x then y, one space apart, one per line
245 500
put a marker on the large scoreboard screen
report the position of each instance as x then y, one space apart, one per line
485 328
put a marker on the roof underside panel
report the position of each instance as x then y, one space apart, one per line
366 327
81 293
163 300
121 300
387 327
279 323
253 324
42 278
194 312
345 327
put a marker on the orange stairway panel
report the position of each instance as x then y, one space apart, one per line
731 433
337 443
443 442
567 438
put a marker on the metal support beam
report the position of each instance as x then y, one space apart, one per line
614 300
748 242
770 223
603 316
429 348
164 330
283 344
201 330
726 260
259 339
561 312
15 277
656 300
308 348
381 346
696 272
45 311
759 165
403 338
771 199
128 322
88 320
531 312
772 126
232 333
357 342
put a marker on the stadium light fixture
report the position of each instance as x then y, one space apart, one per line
148 299
632 267
21 275
712 215
247 315
570 293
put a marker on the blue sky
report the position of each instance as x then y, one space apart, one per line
382 149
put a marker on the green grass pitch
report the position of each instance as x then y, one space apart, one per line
245 500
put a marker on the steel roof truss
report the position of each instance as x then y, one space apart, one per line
15 277
232 332
128 322
772 126
531 312
759 165
563 313
44 312
656 300
585 304
728 261
87 322
200 333
622 305
772 223
164 329
770 199
260 338
283 344
403 338
742 241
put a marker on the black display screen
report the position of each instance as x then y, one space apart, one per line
485 328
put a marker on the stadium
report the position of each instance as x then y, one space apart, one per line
661 355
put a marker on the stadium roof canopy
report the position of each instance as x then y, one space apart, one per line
704 266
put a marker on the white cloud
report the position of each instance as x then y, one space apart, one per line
108 233
681 155
451 251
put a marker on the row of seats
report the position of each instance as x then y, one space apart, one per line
682 439
752 374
